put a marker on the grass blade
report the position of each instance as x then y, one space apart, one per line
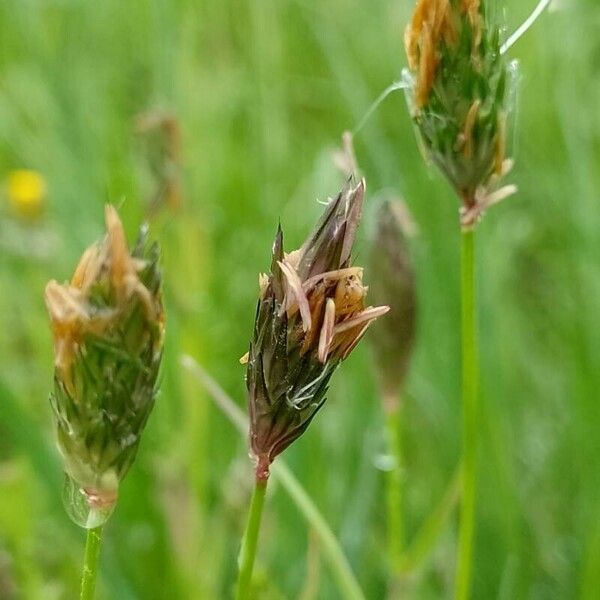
332 550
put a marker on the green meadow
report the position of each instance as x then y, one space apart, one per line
250 99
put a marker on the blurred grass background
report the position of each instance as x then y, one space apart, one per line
261 91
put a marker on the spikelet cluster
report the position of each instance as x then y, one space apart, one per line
393 284
108 325
311 314
460 98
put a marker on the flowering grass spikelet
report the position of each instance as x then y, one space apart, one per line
108 326
311 314
459 94
393 284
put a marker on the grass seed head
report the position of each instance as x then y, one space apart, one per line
393 284
108 325
459 95
311 314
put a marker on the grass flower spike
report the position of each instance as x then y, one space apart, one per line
108 325
459 91
393 283
311 314
392 339
460 98
108 335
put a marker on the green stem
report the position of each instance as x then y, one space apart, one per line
331 548
394 491
430 531
470 417
250 540
90 563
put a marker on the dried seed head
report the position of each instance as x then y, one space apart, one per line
108 325
459 95
311 314
159 134
393 283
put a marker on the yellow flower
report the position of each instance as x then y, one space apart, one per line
26 192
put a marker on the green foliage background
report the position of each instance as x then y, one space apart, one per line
262 90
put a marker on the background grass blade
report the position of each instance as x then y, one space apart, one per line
331 548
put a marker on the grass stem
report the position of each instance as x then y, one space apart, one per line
90 563
525 26
332 551
250 540
423 542
470 416
394 483
338 563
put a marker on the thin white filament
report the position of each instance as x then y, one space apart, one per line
397 85
526 25
510 42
